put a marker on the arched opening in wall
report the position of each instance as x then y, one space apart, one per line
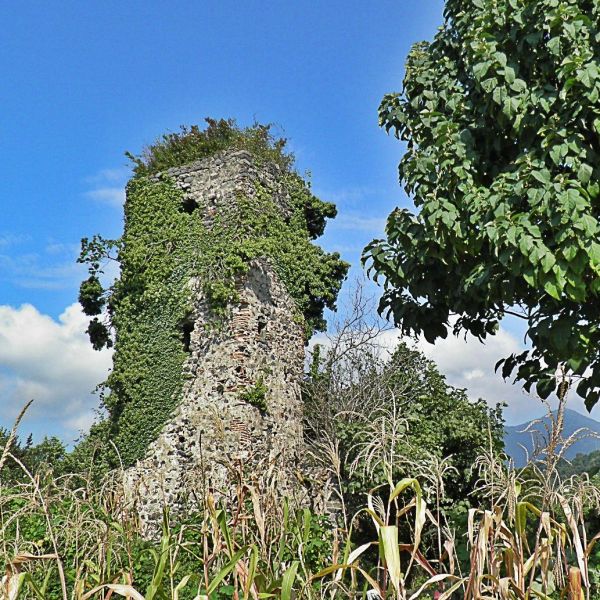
189 205
187 327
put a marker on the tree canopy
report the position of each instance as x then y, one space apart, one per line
501 118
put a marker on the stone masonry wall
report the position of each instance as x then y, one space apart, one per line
214 432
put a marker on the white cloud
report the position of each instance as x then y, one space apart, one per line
81 422
53 363
10 239
116 175
357 222
33 271
62 248
469 364
115 196
109 186
474 374
53 268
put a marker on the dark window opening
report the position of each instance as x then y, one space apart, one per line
189 205
262 324
187 328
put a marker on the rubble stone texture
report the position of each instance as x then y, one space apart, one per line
215 432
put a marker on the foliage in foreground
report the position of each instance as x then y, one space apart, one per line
71 539
526 534
501 116
386 435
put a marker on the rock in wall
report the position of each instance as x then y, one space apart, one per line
223 424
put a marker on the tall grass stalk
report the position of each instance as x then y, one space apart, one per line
73 538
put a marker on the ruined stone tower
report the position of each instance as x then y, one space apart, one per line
241 404
220 287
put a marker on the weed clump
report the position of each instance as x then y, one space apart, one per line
256 396
192 143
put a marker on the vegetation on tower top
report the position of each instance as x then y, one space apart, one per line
191 143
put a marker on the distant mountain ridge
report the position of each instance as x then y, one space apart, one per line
515 436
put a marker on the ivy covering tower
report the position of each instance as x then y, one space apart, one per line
220 288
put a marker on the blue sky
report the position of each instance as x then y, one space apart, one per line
85 81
